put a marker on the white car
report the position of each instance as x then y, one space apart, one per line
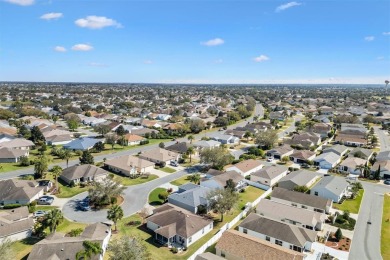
270 159
39 213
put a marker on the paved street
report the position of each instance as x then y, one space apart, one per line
291 128
383 139
366 239
135 197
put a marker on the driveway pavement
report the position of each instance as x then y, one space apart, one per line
135 197
384 139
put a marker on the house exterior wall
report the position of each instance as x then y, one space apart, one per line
17 236
152 226
198 235
300 205
324 193
59 143
234 168
268 182
9 160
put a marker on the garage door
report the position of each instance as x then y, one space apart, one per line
386 176
277 156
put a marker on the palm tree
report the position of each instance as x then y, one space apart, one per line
190 138
195 178
190 152
66 155
53 219
115 213
56 171
361 169
90 249
247 135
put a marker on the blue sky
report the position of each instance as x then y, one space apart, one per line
195 41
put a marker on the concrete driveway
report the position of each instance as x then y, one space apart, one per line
135 197
383 138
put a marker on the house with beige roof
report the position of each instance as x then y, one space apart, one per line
9 155
15 224
82 173
159 155
246 167
269 175
17 143
279 233
280 152
133 139
23 192
302 156
299 178
219 181
177 227
129 165
351 164
235 245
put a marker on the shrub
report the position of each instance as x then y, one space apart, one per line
12 206
113 200
174 250
24 161
75 232
338 234
163 195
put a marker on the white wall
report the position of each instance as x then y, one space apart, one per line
17 236
198 235
266 181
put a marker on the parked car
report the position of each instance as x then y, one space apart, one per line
45 200
270 159
387 182
39 213
174 163
305 165
83 206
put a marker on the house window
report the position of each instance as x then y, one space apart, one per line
203 231
278 242
296 248
267 238
245 231
294 205
304 207
189 239
316 193
223 254
211 226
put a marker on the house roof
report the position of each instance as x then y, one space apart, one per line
247 165
14 189
159 154
353 162
282 231
303 154
181 147
367 152
82 171
83 143
207 144
301 198
383 156
133 138
336 185
223 178
270 172
9 153
337 149
176 221
208 256
282 149
17 143
279 211
126 162
330 157
301 177
350 138
57 246
13 221
59 138
192 197
251 248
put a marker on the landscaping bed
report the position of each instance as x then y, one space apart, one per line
344 244
345 223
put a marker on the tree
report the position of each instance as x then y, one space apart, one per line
310 124
247 135
102 129
161 145
121 131
86 158
102 191
338 234
285 159
24 161
24 131
6 251
128 247
111 139
222 200
90 249
36 135
231 185
56 171
65 154
195 178
218 157
378 173
41 165
197 125
115 213
52 219
267 138
72 124
190 152
190 138
98 147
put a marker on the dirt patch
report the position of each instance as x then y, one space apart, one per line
343 245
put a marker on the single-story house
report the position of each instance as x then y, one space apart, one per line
58 246
159 155
236 133
82 173
351 140
302 156
269 175
207 144
57 137
246 167
301 200
361 153
227 139
133 139
282 234
299 178
23 192
180 148
383 156
292 215
331 187
280 152
175 226
129 165
350 165
337 149
306 139
9 155
322 129
17 143
219 181
235 245
143 131
276 116
82 144
189 197
15 224
384 169
327 160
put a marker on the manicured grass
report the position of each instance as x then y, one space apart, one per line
167 169
153 196
9 167
251 194
385 234
126 181
45 207
67 191
23 247
67 225
180 181
352 205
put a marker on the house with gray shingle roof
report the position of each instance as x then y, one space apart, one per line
81 144
337 149
361 153
269 175
299 178
331 187
82 173
190 196
327 160
14 191
280 233
15 224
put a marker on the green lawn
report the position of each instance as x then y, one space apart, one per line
23 247
153 196
385 234
167 169
180 181
126 181
351 205
45 207
251 193
67 225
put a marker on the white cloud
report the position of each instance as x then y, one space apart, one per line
261 58
287 6
97 64
82 47
386 33
51 16
213 42
369 38
97 22
60 49
148 61
21 2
